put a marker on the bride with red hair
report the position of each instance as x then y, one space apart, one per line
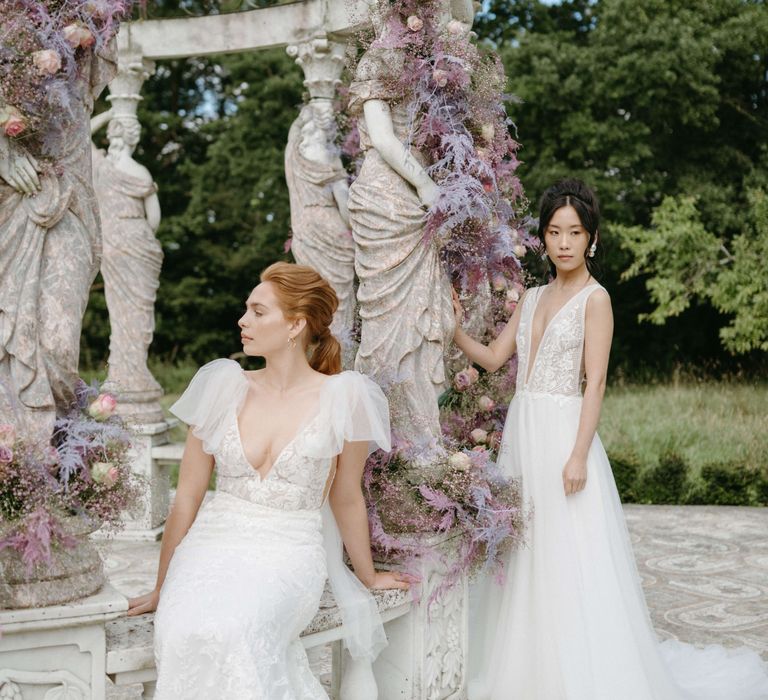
240 578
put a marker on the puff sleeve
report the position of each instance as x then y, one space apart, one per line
357 411
212 401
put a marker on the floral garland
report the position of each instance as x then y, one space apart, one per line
458 121
86 471
40 44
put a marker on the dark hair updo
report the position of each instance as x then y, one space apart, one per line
570 192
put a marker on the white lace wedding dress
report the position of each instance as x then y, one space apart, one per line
570 622
247 578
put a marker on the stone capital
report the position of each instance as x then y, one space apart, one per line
125 88
322 60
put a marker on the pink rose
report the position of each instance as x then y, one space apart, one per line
498 283
77 35
486 403
460 461
71 34
510 306
415 24
102 407
440 77
105 473
7 435
6 455
462 380
478 436
47 61
513 294
12 121
455 27
519 250
478 448
474 375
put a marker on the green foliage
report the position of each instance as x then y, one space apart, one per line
626 468
665 481
682 261
726 484
678 245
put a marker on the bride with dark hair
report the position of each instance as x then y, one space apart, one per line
240 578
571 622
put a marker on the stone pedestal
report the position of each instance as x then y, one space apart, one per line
146 522
59 651
426 658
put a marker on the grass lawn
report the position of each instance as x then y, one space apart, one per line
703 422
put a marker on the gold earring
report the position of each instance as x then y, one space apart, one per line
291 342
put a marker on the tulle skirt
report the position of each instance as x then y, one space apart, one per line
570 622
241 587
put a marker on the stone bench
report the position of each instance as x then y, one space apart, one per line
130 663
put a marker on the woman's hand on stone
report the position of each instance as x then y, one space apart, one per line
20 170
144 603
391 579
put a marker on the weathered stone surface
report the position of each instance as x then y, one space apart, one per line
73 573
50 246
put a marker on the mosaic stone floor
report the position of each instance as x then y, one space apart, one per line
704 570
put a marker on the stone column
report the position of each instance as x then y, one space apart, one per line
131 269
317 183
130 305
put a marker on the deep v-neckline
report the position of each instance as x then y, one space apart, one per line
314 413
530 366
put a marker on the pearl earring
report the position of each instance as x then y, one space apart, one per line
592 250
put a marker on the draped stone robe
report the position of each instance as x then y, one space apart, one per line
404 295
50 247
131 267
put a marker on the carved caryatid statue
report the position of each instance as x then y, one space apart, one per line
50 247
404 295
132 257
317 185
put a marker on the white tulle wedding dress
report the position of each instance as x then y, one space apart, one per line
570 622
247 578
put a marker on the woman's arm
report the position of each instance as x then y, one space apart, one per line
194 476
498 351
378 121
348 505
598 332
152 210
100 120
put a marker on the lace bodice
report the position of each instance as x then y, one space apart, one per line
294 482
557 368
351 408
